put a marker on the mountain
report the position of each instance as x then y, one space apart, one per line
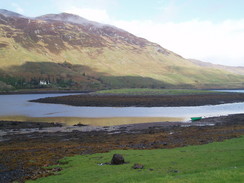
66 50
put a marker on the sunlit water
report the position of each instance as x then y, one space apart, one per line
236 91
17 107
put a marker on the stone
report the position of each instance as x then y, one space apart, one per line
138 166
117 159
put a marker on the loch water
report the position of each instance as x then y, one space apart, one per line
18 107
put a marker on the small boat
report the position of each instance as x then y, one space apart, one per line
196 118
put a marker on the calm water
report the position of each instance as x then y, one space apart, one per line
237 91
18 107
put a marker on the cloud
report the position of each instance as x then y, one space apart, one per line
17 7
98 15
96 10
220 43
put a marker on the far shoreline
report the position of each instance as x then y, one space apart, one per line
43 92
118 100
16 92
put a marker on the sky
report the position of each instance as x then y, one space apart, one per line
206 30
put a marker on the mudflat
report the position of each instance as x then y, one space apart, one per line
111 100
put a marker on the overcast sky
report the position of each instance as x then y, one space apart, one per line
207 30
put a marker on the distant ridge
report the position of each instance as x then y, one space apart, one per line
67 17
10 13
232 69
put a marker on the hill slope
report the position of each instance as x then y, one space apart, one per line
110 55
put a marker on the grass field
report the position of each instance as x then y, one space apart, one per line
221 162
148 91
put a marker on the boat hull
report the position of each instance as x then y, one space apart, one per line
196 118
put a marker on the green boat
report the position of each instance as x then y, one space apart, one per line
196 118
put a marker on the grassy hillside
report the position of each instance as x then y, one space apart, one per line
216 163
60 76
111 53
53 76
121 63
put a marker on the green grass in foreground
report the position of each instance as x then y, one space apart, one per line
148 91
221 162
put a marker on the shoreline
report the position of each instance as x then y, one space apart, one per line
23 156
80 91
43 92
17 126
